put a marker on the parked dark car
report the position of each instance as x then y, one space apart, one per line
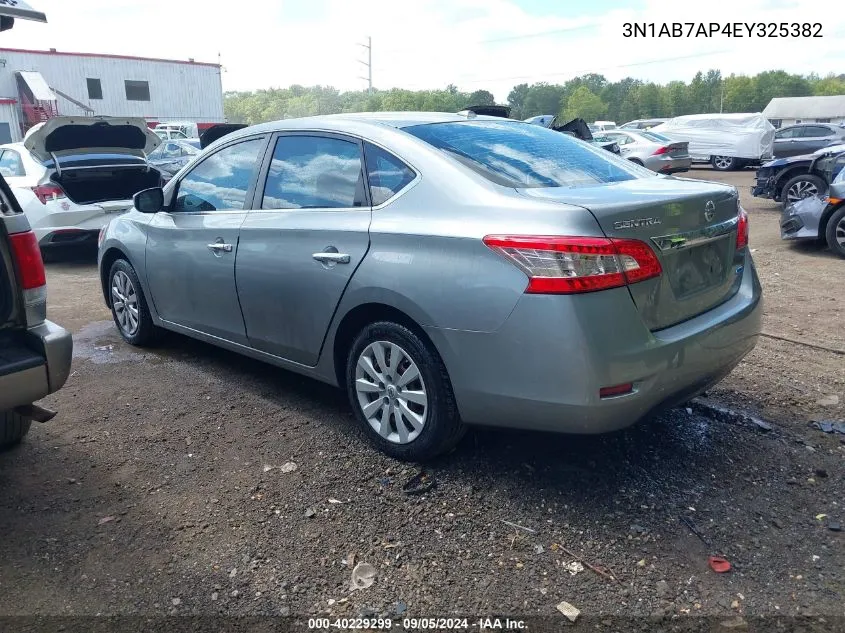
820 218
806 138
788 180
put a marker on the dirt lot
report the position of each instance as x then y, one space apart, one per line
161 487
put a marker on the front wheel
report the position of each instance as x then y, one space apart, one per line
835 232
724 163
13 428
401 394
800 187
129 306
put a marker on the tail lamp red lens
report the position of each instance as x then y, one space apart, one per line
616 390
46 193
742 230
660 150
27 256
569 265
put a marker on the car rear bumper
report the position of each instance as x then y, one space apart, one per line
543 369
35 364
669 164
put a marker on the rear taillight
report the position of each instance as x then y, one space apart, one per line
567 265
28 259
660 150
742 229
46 193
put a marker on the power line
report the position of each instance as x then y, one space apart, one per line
591 70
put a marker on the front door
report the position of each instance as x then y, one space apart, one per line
192 245
302 243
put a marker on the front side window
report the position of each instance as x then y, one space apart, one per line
789 132
221 181
314 172
137 90
11 164
515 154
387 174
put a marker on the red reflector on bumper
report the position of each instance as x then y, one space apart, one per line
618 390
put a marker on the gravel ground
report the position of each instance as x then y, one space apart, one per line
190 481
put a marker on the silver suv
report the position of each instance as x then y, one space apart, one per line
35 354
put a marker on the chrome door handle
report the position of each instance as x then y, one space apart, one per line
226 248
331 258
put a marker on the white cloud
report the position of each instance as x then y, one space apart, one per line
430 43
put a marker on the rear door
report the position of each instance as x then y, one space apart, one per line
815 137
302 243
192 245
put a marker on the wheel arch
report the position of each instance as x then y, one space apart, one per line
359 317
112 254
823 221
788 174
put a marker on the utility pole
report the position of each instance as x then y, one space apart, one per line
722 97
368 64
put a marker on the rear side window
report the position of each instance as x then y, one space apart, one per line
221 181
515 154
814 131
314 172
387 174
11 164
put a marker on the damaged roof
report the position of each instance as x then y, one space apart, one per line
806 107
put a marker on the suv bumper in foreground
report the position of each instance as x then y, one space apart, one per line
34 364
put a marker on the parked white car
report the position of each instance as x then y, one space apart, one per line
72 176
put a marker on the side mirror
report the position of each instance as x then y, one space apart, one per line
149 200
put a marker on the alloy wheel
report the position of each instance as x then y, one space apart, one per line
124 300
723 162
391 392
839 232
800 190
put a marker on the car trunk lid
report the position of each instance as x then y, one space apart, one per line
690 225
61 135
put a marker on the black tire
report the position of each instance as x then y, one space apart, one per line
13 428
442 429
636 161
146 332
724 163
805 185
835 232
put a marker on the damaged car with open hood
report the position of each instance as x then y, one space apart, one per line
72 175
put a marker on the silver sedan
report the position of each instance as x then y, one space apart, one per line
652 150
444 270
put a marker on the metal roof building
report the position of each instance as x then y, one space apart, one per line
789 110
36 85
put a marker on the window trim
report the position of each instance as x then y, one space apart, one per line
411 183
137 81
99 81
249 198
261 184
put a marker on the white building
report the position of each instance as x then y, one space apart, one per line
35 85
790 110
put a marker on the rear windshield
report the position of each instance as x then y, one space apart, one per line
521 155
654 136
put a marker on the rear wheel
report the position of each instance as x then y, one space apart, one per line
13 428
724 163
835 232
129 306
636 161
401 394
800 187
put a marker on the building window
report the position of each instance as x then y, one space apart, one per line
95 88
776 122
137 90
822 120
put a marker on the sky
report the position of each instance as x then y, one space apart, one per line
419 44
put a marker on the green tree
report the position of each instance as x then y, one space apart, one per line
584 104
829 86
516 100
543 98
481 97
740 94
